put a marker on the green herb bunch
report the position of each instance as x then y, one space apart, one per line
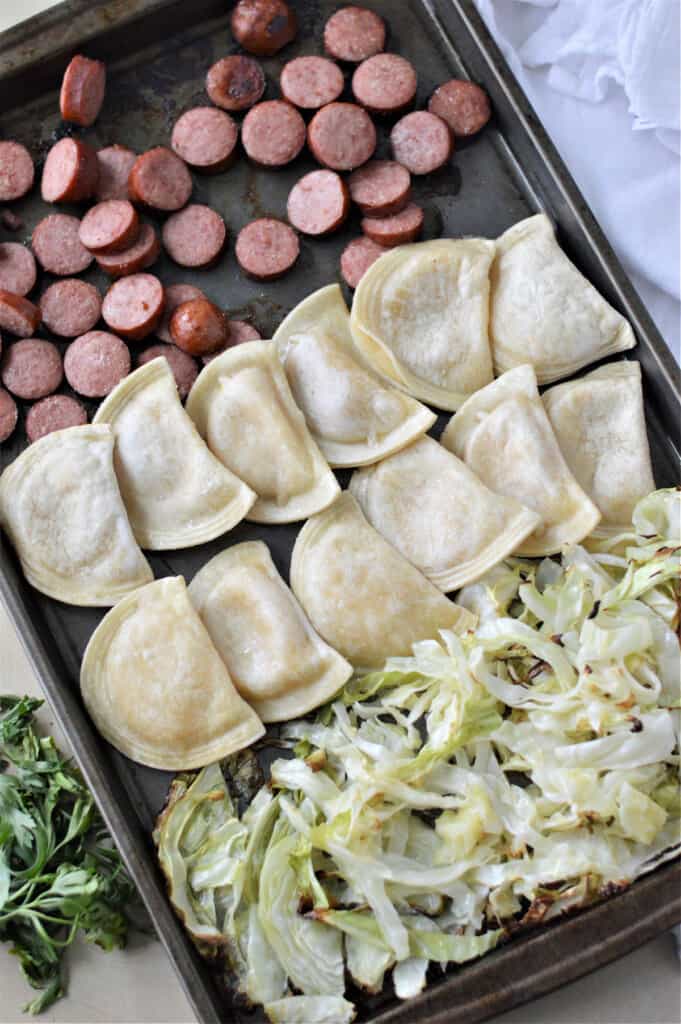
59 872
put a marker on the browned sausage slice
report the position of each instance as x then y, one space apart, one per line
273 133
195 236
318 203
82 91
17 268
341 136
133 306
380 188
463 105
357 257
239 331
185 369
206 139
32 368
71 172
354 34
399 229
235 83
422 142
95 363
70 307
267 248
115 163
18 315
57 246
145 251
16 171
385 84
160 179
8 415
199 327
311 82
54 413
111 226
176 294
263 26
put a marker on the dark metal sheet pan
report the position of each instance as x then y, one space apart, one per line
158 52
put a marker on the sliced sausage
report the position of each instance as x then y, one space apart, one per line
357 257
17 268
239 331
95 363
311 82
235 83
71 172
176 294
354 34
462 105
380 188
111 226
11 220
206 139
57 245
385 84
18 315
399 229
115 163
422 142
185 369
54 413
16 171
199 327
8 415
159 179
195 236
273 133
267 248
82 91
341 136
145 251
263 27
70 307
133 306
32 368
318 203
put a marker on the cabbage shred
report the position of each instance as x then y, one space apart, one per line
497 778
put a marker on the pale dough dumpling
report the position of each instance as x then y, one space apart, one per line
61 507
176 492
601 429
360 594
243 407
504 435
277 661
439 515
157 689
354 417
420 318
543 311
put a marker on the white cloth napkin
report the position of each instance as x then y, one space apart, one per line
603 76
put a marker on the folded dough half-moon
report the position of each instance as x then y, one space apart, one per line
176 492
439 515
362 595
543 311
61 507
504 435
420 318
243 408
354 417
277 661
601 429
157 689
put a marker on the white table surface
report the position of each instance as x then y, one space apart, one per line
138 985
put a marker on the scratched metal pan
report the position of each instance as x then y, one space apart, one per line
158 52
